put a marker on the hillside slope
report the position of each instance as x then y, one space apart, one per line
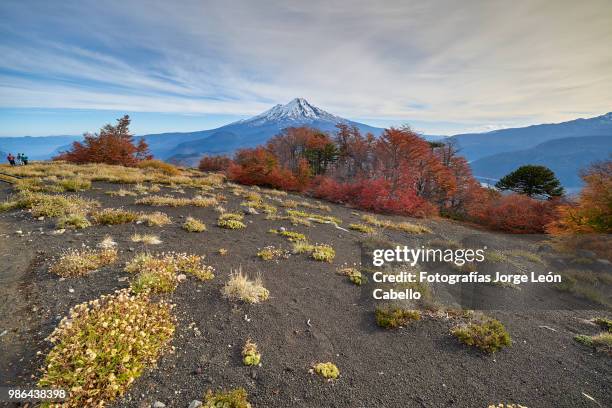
313 313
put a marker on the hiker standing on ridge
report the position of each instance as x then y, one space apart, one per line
11 159
19 159
24 159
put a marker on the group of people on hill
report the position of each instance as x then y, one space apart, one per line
20 160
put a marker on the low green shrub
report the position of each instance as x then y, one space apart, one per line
76 221
250 354
604 323
353 274
489 336
323 253
194 225
104 346
231 221
391 317
236 398
601 342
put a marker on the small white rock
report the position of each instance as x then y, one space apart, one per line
70 290
195 404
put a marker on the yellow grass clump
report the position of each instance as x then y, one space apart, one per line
156 218
148 239
399 226
194 225
79 262
240 287
114 216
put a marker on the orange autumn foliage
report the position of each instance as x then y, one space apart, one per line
592 212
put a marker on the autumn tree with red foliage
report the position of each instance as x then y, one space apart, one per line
398 172
514 213
214 163
260 167
303 143
113 145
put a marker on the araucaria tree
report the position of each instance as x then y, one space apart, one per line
532 181
113 145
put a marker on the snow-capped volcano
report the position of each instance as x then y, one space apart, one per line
188 147
298 111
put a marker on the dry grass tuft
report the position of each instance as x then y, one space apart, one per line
163 201
147 239
104 345
114 216
156 218
366 229
107 243
75 184
163 167
399 226
79 262
240 287
321 219
199 201
121 193
171 201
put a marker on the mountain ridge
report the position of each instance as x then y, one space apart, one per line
478 145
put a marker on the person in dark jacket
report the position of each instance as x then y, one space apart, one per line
24 159
11 159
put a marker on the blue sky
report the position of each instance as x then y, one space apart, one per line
69 67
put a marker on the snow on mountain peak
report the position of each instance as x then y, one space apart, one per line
298 110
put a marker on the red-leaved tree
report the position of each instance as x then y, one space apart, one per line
113 145
214 163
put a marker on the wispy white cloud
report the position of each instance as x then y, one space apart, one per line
477 64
